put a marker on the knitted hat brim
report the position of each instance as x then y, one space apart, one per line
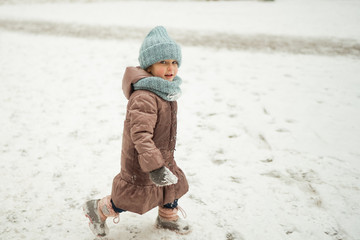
159 52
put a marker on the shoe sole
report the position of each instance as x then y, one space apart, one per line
177 232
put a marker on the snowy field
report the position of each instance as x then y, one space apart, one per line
268 136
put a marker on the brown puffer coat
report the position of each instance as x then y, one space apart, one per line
148 143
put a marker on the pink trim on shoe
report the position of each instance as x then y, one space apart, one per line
168 214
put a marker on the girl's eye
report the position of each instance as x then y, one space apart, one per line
175 62
162 62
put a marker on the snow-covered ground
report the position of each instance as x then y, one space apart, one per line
331 18
269 140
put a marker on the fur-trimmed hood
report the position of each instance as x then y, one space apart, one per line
131 76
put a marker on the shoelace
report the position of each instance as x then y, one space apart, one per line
182 211
116 219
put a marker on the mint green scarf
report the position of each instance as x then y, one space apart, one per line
169 91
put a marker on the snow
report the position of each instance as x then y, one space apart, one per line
331 18
269 140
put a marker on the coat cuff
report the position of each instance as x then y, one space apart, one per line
151 160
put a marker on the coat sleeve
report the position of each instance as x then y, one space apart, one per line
143 117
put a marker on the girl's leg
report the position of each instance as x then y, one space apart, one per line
118 210
172 205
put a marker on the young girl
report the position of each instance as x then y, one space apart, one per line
149 175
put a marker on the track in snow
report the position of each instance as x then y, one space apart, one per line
259 42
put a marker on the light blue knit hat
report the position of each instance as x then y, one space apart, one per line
158 46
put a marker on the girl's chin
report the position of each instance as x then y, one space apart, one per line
168 78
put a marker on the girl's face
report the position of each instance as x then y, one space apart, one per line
166 69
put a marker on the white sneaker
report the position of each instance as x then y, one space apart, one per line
97 226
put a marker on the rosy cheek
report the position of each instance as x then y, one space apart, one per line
162 71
